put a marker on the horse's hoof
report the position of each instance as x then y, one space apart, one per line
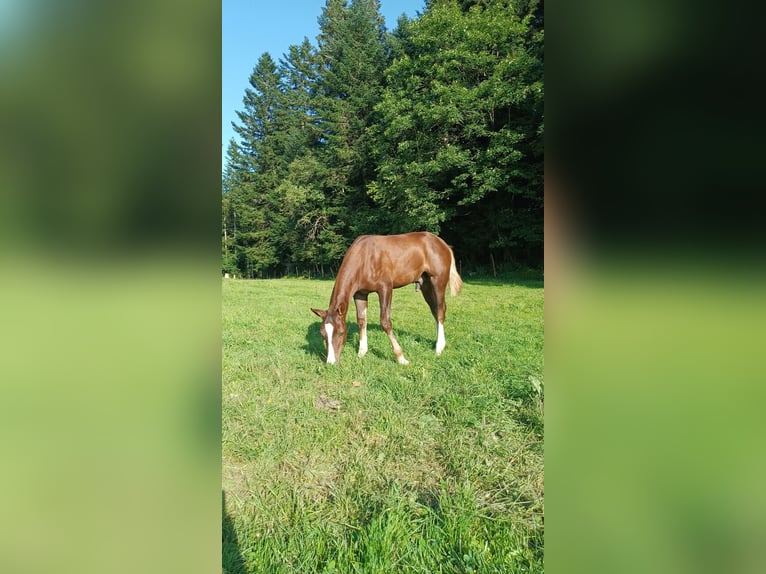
403 361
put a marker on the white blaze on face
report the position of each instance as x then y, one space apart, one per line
330 351
441 342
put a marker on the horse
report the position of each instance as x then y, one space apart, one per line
379 264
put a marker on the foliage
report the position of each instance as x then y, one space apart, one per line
435 126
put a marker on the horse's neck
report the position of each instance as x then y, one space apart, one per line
343 290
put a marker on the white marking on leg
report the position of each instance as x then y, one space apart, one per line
441 342
363 334
330 351
397 349
363 342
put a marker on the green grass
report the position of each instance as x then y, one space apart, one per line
436 466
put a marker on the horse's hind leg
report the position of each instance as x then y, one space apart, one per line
385 322
434 296
361 320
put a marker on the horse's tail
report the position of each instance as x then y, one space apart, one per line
455 282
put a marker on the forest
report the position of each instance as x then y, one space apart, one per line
437 125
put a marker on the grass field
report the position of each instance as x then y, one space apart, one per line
370 466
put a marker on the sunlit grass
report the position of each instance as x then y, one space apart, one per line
431 467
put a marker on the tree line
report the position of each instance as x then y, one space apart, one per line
436 125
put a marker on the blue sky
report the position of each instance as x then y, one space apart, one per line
252 27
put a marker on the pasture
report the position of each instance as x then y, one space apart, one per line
374 467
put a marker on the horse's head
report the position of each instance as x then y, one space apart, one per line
333 330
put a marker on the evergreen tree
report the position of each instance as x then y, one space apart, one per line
230 188
354 55
299 73
301 192
259 160
462 127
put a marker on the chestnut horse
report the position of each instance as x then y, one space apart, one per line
379 264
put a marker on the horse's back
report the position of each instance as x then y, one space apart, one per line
397 260
430 245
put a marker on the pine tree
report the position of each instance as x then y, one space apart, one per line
354 54
259 165
299 74
229 213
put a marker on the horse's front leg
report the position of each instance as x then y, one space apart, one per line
385 322
360 301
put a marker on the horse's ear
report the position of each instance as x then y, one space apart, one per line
321 314
342 308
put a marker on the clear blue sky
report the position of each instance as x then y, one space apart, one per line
252 27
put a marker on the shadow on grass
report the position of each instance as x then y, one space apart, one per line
231 556
314 342
315 345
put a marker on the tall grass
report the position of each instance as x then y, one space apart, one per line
436 466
